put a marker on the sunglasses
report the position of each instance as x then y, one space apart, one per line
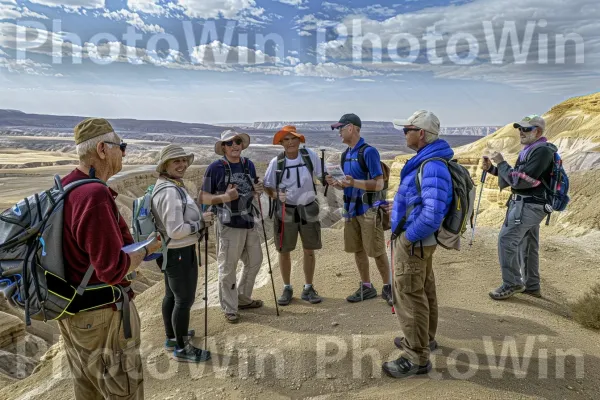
339 128
230 143
406 130
122 145
531 128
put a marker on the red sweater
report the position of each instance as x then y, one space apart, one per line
91 234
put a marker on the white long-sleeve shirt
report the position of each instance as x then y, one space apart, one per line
167 206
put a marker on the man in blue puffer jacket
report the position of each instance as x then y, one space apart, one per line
418 216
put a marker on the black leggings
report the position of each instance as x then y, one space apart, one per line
181 279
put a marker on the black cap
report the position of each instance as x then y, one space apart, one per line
347 119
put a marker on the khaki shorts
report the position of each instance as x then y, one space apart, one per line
310 231
365 232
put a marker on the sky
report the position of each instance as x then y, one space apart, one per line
480 62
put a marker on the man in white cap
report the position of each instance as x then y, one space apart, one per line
529 182
230 183
417 214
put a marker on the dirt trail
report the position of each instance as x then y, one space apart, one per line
315 351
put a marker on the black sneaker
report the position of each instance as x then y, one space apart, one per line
191 354
363 293
286 297
386 294
170 344
433 345
533 293
505 291
403 368
311 295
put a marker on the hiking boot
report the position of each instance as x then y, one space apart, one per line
533 293
505 291
386 294
311 295
191 354
286 297
403 368
367 293
433 345
170 344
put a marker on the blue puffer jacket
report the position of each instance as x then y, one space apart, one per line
436 192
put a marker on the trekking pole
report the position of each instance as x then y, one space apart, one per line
262 222
483 176
205 298
323 171
392 274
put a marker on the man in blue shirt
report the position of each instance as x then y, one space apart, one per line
363 231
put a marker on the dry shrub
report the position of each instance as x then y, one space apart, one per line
586 310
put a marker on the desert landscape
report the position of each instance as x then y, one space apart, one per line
522 348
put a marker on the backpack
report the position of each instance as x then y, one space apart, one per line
143 220
32 261
305 159
559 186
220 207
557 192
372 196
461 207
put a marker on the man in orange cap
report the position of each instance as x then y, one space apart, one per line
293 172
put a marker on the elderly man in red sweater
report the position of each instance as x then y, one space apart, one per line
102 344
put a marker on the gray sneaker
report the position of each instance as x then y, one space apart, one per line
363 293
286 297
311 295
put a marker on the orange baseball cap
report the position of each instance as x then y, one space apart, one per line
284 131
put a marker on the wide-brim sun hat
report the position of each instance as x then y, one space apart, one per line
229 135
172 152
283 132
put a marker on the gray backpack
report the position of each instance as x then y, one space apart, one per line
32 262
143 220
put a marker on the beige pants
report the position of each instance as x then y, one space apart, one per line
365 232
104 365
415 298
234 245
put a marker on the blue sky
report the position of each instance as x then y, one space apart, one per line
471 62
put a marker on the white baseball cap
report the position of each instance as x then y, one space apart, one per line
422 119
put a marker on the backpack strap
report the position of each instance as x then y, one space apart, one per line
308 162
280 167
227 171
85 280
165 185
361 159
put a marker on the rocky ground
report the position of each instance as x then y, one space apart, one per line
519 348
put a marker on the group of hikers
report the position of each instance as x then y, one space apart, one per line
94 234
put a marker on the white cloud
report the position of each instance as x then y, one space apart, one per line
304 33
293 52
365 80
556 17
221 54
334 6
133 19
27 66
146 6
292 60
296 3
229 9
11 11
71 3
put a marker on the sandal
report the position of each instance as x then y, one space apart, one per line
232 318
253 304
